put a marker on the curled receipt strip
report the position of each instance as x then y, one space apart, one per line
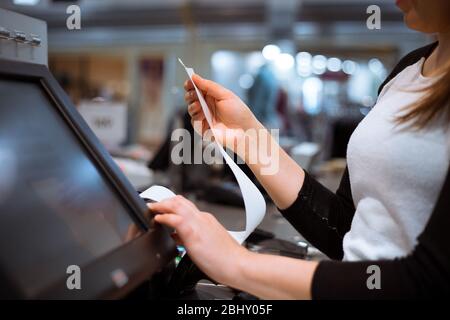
255 206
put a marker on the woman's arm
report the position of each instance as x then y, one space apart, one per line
274 277
321 216
276 171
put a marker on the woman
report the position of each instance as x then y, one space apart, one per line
392 208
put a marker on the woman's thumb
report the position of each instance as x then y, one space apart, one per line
210 87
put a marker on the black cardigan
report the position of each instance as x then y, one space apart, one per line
324 217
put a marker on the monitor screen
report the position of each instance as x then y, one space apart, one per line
56 207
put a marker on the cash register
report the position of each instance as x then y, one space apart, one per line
64 204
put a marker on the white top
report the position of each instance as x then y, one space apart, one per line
396 173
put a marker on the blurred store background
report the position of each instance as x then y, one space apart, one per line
308 67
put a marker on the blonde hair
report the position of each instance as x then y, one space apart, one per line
435 103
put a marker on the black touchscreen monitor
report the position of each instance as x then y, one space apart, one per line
58 205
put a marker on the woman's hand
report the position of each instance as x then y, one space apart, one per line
220 257
278 173
231 117
207 243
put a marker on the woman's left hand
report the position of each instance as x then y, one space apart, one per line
207 242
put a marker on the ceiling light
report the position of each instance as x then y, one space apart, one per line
26 2
271 52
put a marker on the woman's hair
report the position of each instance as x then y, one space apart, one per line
435 102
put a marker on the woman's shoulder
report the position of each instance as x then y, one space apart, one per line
408 60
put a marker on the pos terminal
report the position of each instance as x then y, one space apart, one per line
64 204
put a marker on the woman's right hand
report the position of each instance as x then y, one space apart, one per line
231 117
235 127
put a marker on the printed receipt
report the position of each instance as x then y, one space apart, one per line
255 206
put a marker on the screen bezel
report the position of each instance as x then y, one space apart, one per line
139 258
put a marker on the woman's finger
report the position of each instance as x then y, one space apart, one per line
170 206
194 108
177 205
188 203
198 117
190 96
188 85
170 220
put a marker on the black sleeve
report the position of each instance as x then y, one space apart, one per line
425 273
321 216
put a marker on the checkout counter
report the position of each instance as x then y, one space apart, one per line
64 202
